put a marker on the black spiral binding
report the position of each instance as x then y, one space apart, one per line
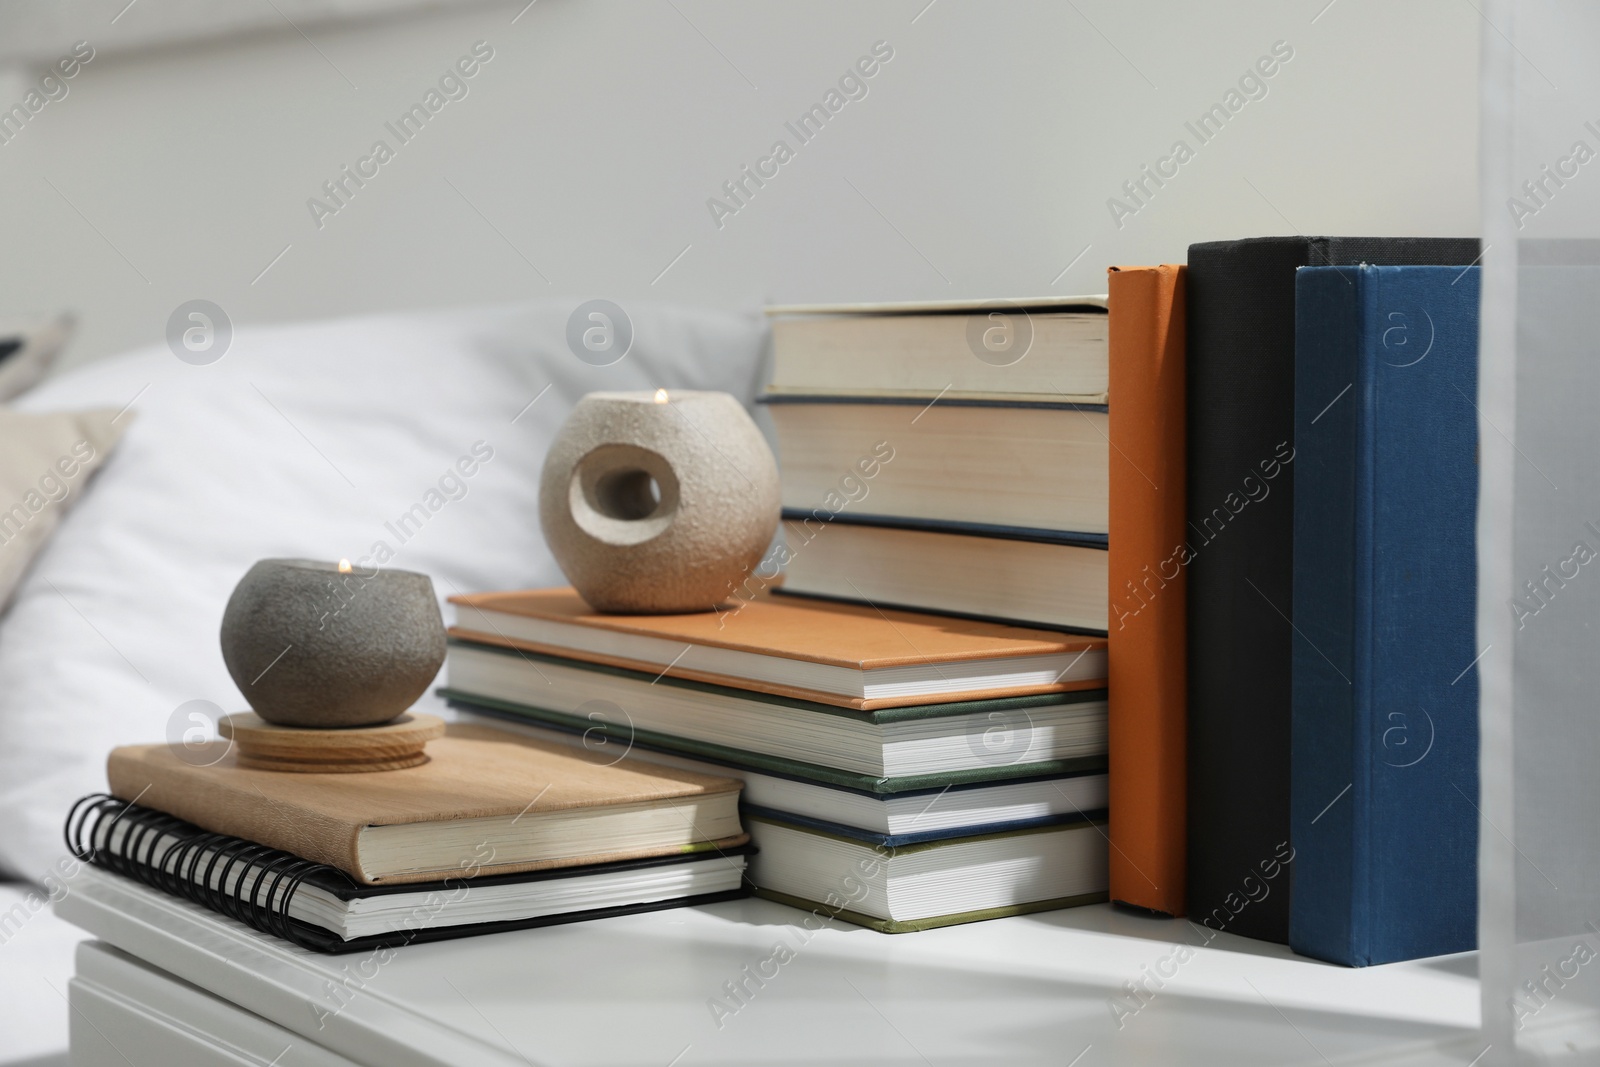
195 859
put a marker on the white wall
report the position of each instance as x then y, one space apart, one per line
979 164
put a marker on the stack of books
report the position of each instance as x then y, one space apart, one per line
901 770
495 832
950 457
1019 461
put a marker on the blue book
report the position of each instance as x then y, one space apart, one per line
1384 730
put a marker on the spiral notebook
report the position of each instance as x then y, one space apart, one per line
321 908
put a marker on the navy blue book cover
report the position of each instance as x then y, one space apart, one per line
1384 733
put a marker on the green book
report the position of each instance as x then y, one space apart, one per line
883 751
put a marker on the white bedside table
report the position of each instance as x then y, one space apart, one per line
168 982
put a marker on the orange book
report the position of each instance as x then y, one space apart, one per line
848 655
1147 667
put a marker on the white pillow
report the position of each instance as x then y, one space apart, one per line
307 440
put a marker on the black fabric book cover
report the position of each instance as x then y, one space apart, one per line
1241 565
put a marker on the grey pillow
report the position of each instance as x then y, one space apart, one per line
28 350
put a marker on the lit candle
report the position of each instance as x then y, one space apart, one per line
317 644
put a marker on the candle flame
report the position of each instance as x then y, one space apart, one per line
661 396
344 566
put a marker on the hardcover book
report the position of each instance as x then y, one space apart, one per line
1021 578
1385 726
848 655
996 735
873 806
1031 465
1040 348
1240 504
1003 737
1146 666
485 799
899 889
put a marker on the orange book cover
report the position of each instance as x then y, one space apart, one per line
855 636
1147 665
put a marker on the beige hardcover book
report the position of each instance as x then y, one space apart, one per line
1040 348
1040 467
486 802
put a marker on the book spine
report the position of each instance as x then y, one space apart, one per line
1147 674
1385 695
1241 461
1417 828
1331 512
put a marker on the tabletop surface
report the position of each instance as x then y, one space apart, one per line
752 982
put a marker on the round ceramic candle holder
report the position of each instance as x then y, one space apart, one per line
310 644
658 503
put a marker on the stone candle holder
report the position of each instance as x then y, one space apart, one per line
312 645
658 503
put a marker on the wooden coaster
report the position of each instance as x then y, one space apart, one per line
391 746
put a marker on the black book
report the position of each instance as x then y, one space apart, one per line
1241 567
